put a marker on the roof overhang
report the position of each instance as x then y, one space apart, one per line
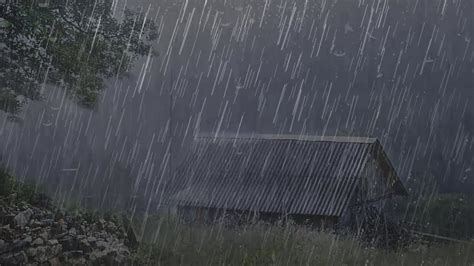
396 184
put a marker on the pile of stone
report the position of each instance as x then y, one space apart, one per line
38 235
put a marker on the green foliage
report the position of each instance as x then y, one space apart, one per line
453 213
7 183
16 191
445 214
74 44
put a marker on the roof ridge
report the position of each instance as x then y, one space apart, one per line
309 138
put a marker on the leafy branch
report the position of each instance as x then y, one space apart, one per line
75 44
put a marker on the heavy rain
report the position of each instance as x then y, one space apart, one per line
236 132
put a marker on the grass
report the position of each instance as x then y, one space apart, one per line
15 191
166 241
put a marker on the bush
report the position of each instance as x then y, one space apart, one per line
7 183
453 213
450 215
10 188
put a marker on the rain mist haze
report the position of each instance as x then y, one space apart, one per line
398 70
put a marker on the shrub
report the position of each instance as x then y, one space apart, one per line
454 213
7 183
15 190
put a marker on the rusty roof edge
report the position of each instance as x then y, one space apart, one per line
347 139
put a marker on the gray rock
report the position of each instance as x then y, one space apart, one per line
54 261
44 236
85 246
52 242
47 222
36 224
73 253
6 232
38 242
55 250
19 258
28 239
66 239
31 252
68 243
6 219
44 253
111 226
102 245
23 218
102 235
77 261
108 257
61 235
59 214
18 244
3 247
72 231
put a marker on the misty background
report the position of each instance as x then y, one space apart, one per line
398 70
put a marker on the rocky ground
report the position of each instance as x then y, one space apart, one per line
40 234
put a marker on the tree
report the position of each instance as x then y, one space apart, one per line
75 44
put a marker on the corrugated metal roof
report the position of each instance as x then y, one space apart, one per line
281 174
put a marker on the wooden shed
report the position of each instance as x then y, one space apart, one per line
270 177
